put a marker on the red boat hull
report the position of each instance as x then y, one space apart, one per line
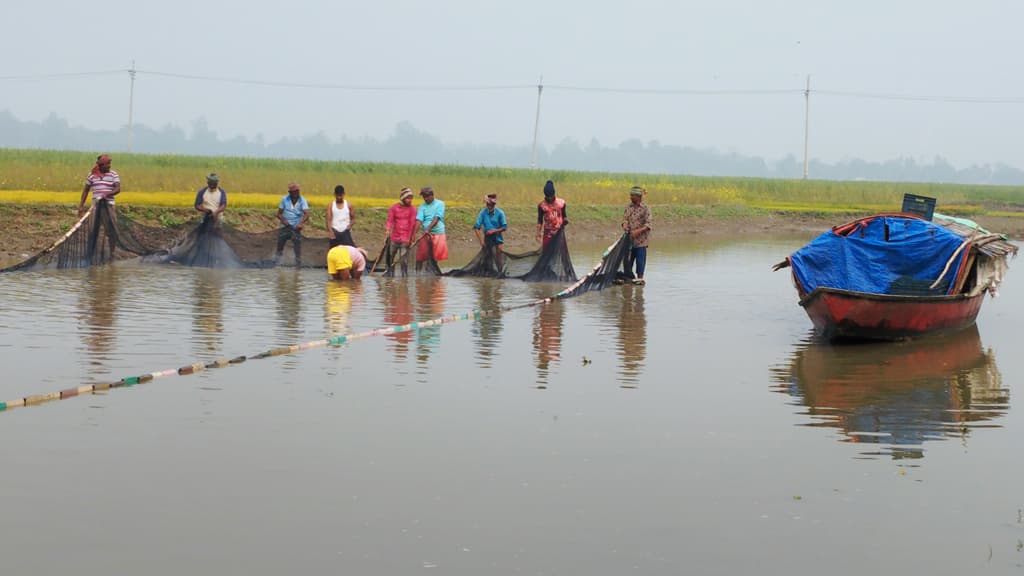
845 314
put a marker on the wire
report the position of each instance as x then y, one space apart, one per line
508 87
59 75
670 91
920 98
328 86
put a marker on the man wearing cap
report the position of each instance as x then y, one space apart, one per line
430 217
550 214
103 182
292 212
340 218
491 220
346 262
211 200
636 221
398 228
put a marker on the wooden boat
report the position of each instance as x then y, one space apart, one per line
893 276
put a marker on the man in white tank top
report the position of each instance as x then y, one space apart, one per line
340 218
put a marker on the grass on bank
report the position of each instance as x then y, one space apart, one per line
44 176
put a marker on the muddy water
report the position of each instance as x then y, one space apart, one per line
688 426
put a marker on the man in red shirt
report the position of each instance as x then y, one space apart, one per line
398 227
550 214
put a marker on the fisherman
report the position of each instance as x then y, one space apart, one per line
292 212
340 218
636 221
492 221
430 217
346 262
211 200
103 182
550 215
398 228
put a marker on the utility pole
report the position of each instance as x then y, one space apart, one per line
536 125
807 120
131 103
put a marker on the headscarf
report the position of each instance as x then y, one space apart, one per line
491 199
405 193
101 159
549 188
637 191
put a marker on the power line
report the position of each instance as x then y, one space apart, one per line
961 99
673 91
352 87
60 75
923 98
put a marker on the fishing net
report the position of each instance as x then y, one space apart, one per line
97 238
548 264
103 235
609 270
210 245
400 259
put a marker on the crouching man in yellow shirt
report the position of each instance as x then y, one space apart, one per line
346 262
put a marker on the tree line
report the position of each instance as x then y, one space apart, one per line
407 144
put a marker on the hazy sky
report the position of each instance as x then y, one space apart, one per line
932 49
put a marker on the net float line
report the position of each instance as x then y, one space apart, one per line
196 367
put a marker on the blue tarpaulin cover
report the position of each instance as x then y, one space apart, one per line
881 255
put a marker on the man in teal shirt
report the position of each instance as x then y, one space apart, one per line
491 220
430 217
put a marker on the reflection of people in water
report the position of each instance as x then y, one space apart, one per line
207 314
398 311
632 336
99 296
547 337
430 304
289 305
338 306
898 394
487 329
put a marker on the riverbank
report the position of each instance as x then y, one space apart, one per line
28 228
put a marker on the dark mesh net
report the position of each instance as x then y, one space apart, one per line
212 246
98 237
552 263
549 264
609 270
103 235
401 259
202 246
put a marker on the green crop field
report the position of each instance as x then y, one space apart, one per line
41 176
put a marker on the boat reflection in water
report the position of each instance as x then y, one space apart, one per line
895 396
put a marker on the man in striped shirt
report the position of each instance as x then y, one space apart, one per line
103 182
